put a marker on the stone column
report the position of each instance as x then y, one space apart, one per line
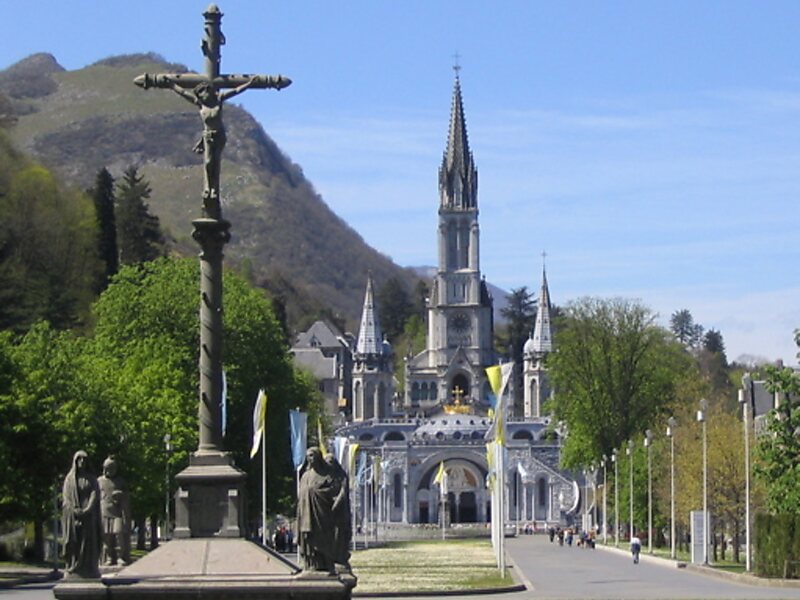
212 235
405 502
525 503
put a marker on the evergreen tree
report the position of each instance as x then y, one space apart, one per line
713 342
139 236
685 330
520 315
103 195
394 308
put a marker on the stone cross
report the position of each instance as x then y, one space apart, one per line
208 91
205 92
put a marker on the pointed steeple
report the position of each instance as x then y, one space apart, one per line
458 178
370 337
542 341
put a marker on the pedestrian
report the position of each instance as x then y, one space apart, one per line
636 548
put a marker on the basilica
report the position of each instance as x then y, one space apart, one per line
442 414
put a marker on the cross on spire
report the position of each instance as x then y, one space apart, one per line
456 65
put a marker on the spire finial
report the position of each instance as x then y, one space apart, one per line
456 64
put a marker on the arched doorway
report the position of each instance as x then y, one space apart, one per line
465 491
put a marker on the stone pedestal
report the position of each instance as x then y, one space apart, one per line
210 498
212 568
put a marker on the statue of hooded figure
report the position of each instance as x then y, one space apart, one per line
315 521
81 519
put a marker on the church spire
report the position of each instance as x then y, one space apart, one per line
542 339
370 337
458 178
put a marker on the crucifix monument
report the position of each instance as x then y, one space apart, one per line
209 501
208 556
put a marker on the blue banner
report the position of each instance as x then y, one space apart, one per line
298 424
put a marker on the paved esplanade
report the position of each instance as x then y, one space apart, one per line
563 572
560 572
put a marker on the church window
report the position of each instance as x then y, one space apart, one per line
394 436
423 392
434 391
522 434
415 392
541 492
366 437
457 435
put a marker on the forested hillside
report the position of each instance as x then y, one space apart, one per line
285 238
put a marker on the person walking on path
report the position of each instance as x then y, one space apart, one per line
636 548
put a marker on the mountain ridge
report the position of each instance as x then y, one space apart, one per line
77 122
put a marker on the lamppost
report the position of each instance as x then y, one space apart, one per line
746 398
605 499
586 499
629 452
648 443
615 460
671 435
595 513
168 452
701 417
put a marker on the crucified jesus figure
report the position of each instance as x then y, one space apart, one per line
206 97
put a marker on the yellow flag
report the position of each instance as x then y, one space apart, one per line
494 376
498 376
490 461
321 438
439 474
259 421
352 459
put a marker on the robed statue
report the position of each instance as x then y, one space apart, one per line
116 515
81 519
323 506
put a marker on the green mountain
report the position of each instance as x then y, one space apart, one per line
76 122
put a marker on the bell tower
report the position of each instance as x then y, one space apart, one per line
460 328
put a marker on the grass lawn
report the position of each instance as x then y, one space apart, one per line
431 565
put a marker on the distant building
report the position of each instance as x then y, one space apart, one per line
443 413
326 353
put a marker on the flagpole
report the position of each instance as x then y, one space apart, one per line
297 478
264 486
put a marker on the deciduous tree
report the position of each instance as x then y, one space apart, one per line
779 446
48 256
614 374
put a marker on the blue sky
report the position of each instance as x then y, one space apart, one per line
651 149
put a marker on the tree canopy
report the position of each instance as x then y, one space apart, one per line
614 374
120 390
778 464
48 262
